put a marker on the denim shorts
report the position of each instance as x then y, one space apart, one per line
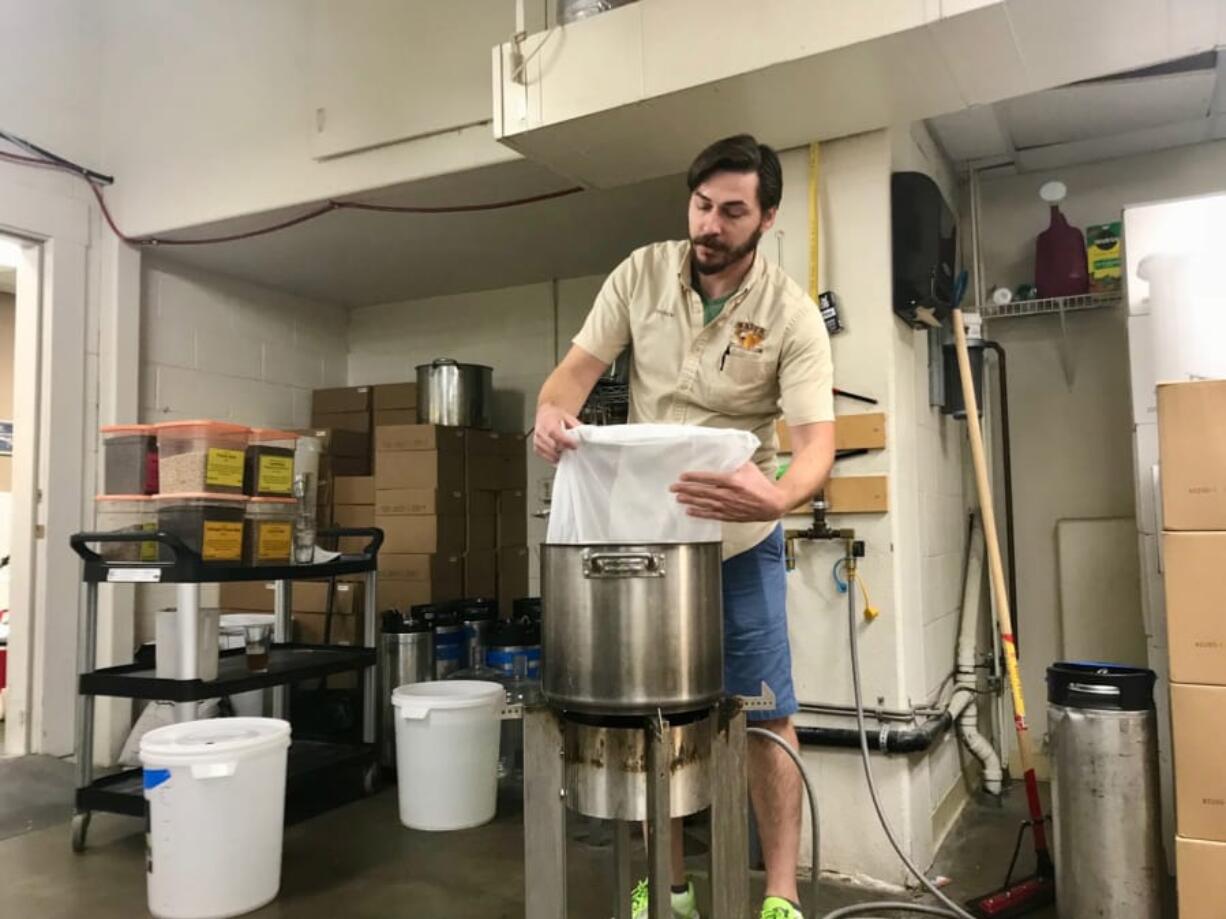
756 648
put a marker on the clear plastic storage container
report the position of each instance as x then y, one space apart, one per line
210 525
270 531
201 456
127 514
270 463
130 459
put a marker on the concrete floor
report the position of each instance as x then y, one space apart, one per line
358 862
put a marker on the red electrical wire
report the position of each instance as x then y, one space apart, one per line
311 214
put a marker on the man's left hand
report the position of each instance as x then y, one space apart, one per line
740 496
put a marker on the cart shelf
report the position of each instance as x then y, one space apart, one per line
287 663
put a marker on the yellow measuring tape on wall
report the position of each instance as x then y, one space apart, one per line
815 169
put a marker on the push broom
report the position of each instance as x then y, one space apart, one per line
1039 890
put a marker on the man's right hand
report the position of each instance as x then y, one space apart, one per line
549 437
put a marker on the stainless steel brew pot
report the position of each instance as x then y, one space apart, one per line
632 629
456 395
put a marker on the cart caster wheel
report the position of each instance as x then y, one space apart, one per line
80 826
370 779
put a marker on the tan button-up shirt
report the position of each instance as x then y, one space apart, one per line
767 352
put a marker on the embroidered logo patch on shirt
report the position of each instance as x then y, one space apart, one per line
748 336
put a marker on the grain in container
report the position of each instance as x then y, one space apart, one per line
129 459
201 456
209 525
270 531
127 514
269 469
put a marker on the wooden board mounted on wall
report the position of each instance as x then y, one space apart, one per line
865 431
858 494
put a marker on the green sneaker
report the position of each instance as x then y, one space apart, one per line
779 908
684 904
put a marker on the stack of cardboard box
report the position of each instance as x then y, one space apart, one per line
420 506
395 403
342 421
1192 446
496 475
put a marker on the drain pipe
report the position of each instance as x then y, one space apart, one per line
887 739
963 708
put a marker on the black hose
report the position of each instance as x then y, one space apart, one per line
888 739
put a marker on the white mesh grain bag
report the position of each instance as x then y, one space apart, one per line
614 488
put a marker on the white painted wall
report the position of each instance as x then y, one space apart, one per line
219 348
1071 444
210 108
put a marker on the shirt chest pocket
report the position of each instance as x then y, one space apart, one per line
745 369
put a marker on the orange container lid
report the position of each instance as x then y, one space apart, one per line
212 427
272 434
210 495
273 500
126 428
123 497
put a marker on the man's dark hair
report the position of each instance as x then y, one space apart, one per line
741 153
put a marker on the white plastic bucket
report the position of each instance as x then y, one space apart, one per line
215 791
447 753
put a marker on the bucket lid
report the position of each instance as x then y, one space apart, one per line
1104 686
195 741
423 698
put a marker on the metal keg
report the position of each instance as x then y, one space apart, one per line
1106 811
478 616
448 634
632 629
406 655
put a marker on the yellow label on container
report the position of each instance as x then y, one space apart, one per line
221 541
149 550
276 474
274 541
224 468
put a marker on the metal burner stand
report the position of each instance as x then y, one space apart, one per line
545 807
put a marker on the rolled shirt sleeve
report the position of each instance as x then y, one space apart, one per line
806 371
606 331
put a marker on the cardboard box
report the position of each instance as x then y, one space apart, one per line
1195 585
310 629
481 574
419 469
393 416
438 568
1192 453
353 489
395 396
493 472
306 597
334 442
343 399
494 443
419 437
353 466
395 502
1200 867
482 533
401 595
422 535
482 502
513 517
1198 729
354 422
513 575
353 515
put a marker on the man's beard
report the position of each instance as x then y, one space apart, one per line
723 255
